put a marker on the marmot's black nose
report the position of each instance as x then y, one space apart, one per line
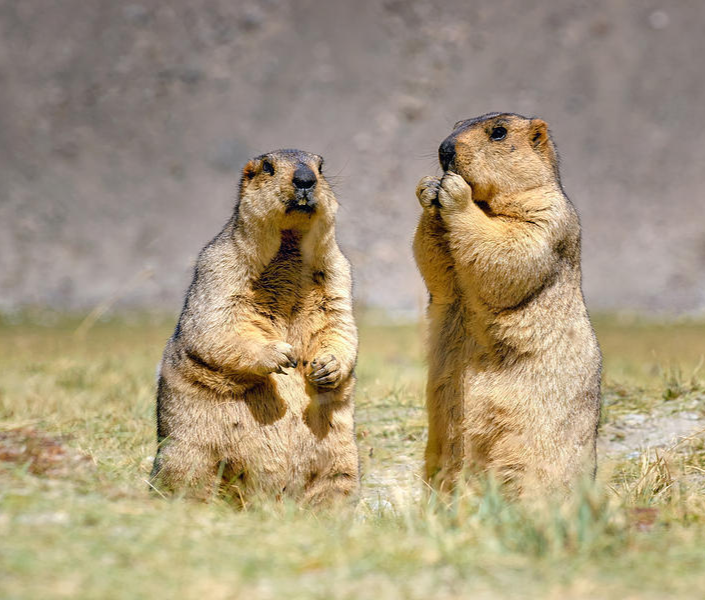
446 152
304 177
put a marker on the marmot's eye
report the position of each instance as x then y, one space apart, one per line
267 167
498 133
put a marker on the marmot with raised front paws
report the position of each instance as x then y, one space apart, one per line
514 365
255 393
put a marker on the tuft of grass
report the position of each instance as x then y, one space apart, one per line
77 519
676 385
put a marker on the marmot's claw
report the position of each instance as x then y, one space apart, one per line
280 355
427 191
454 191
328 380
325 371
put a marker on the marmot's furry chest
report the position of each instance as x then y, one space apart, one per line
288 286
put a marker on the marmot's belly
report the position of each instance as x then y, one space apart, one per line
514 415
272 434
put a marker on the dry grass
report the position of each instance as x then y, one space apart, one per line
76 437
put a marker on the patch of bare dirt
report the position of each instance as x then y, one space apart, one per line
41 453
631 434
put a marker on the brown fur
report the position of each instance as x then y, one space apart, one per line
256 385
514 365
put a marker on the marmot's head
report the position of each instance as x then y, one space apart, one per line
500 153
287 185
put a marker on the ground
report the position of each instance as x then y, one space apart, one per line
77 521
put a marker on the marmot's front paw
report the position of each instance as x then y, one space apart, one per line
325 371
427 191
276 357
454 192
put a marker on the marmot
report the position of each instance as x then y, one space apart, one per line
255 391
514 365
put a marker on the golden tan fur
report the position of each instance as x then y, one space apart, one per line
514 366
256 385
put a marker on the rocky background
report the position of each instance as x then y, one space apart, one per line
123 127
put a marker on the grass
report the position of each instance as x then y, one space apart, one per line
76 521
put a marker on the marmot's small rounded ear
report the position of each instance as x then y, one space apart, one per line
540 140
250 170
538 132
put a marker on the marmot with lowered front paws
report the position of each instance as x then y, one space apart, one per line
255 392
514 366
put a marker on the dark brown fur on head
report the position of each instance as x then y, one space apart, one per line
501 153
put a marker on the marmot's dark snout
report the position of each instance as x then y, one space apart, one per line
446 152
304 178
304 181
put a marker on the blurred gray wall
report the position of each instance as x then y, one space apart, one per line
123 127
